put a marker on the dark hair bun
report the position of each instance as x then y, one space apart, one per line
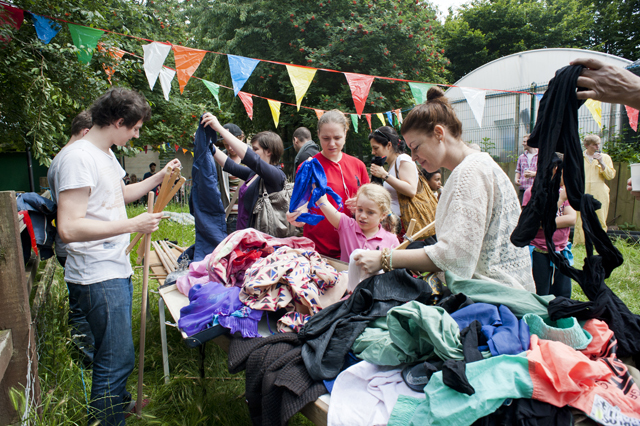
434 93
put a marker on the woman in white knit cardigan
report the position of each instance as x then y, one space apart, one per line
476 214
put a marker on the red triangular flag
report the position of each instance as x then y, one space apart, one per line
176 145
632 113
247 101
360 85
187 62
369 121
13 17
319 113
145 149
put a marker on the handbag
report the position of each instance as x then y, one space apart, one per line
422 207
270 212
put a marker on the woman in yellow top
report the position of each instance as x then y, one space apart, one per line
597 168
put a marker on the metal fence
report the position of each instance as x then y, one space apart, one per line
508 116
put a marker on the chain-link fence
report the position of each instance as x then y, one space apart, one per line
509 115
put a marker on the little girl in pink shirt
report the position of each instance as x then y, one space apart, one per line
373 226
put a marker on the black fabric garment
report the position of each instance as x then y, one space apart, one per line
557 130
330 333
455 302
277 382
528 412
205 202
454 371
378 161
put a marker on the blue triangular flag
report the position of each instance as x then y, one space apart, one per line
45 28
241 69
539 96
389 117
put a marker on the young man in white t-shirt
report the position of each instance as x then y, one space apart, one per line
92 221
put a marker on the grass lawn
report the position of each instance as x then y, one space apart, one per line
188 400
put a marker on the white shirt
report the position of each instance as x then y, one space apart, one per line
395 205
476 214
81 165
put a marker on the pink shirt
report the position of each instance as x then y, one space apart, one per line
352 237
560 237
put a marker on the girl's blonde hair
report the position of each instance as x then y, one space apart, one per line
333 116
382 198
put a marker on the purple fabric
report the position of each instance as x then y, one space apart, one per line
212 304
243 214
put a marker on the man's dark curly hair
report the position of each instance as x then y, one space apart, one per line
119 104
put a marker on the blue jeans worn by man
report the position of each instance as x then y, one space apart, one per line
107 307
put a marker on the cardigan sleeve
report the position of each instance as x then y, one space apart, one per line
237 170
272 176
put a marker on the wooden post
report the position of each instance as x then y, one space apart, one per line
15 313
143 310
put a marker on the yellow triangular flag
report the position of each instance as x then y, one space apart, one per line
595 108
301 78
381 117
275 111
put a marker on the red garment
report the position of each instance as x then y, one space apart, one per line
354 172
27 221
600 387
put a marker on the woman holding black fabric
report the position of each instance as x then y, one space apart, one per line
261 167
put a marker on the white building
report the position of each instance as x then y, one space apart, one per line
508 116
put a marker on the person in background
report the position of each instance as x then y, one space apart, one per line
345 174
598 168
526 167
434 180
126 179
548 279
92 220
262 166
80 329
151 172
133 179
476 214
229 184
373 227
402 176
304 146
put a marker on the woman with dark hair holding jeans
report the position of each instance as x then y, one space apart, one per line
402 176
262 167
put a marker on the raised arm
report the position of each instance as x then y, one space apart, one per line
134 191
407 182
330 212
236 144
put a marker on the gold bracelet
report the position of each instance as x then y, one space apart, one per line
386 254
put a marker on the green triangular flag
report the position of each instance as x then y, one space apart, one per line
419 91
214 89
85 39
354 120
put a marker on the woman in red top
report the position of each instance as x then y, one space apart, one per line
345 174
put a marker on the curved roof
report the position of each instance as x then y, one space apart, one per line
519 70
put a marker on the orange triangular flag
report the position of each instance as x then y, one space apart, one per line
184 150
187 62
319 113
368 116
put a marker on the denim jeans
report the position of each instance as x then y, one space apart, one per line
107 308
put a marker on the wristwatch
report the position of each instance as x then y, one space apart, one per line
386 177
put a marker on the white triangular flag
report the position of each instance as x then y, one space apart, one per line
154 55
166 75
475 98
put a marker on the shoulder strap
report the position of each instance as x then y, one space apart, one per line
233 200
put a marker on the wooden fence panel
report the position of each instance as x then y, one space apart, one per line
613 195
15 312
